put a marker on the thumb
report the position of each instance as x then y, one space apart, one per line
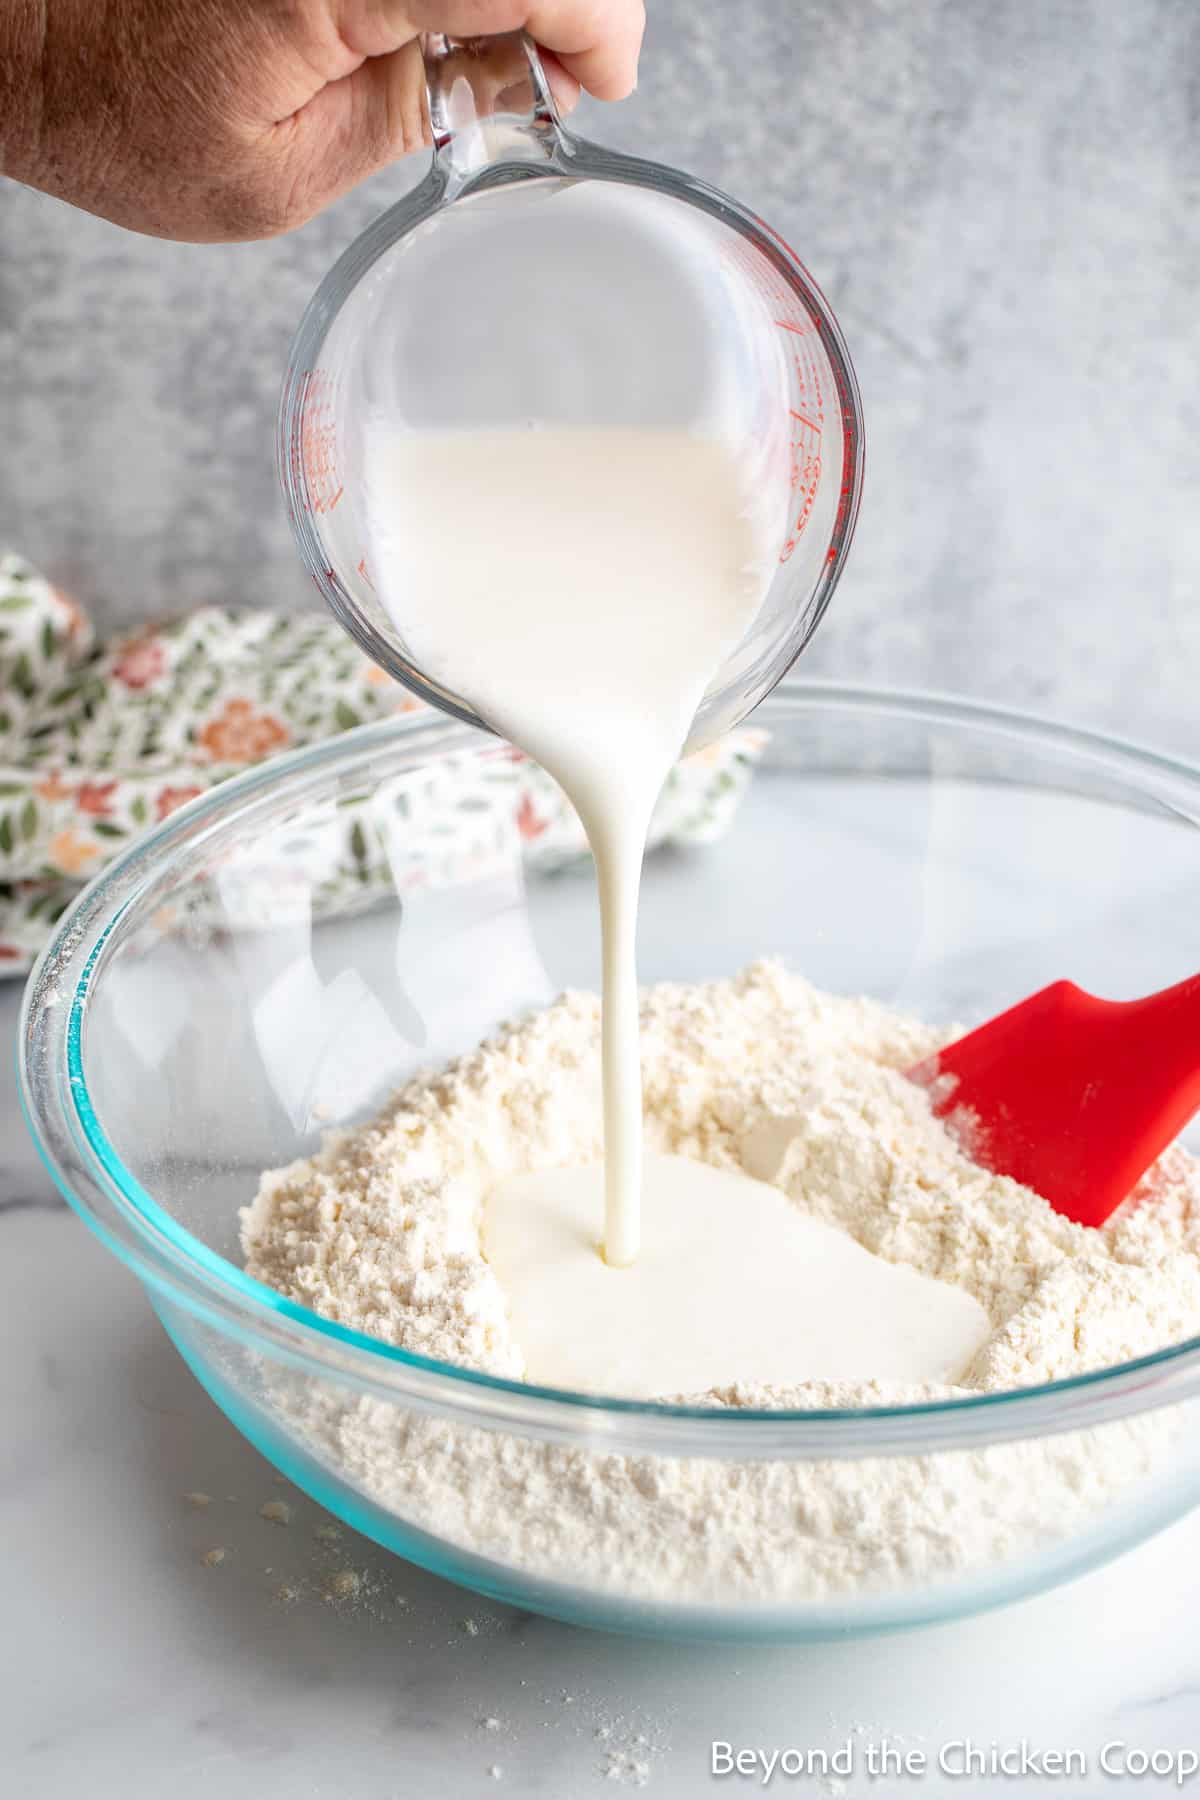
357 125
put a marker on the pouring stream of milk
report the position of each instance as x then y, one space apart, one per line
580 589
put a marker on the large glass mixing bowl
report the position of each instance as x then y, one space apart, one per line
217 999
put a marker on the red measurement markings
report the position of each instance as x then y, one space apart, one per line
784 303
842 520
807 427
806 480
806 412
318 445
809 372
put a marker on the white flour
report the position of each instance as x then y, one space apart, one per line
381 1231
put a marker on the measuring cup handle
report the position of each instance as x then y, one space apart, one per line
489 99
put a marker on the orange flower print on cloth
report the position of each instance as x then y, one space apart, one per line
75 621
71 853
171 797
139 662
530 824
53 787
95 798
240 733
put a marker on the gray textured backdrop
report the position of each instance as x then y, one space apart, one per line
1002 199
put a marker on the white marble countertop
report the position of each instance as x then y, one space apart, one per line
130 1668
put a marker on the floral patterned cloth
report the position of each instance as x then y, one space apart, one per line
99 742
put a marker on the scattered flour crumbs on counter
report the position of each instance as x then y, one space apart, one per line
342 1584
323 1575
380 1230
624 1766
629 1748
626 1744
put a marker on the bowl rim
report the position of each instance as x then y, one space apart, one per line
182 1271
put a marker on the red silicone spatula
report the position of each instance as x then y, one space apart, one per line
1073 1096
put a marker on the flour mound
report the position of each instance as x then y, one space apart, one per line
380 1230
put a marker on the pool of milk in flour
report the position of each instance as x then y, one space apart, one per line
580 589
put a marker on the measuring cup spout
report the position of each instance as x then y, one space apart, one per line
489 102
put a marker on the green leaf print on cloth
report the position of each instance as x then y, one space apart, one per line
100 741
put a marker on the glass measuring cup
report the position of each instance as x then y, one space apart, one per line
534 279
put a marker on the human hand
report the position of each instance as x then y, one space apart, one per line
220 120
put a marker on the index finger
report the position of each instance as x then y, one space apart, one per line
596 41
